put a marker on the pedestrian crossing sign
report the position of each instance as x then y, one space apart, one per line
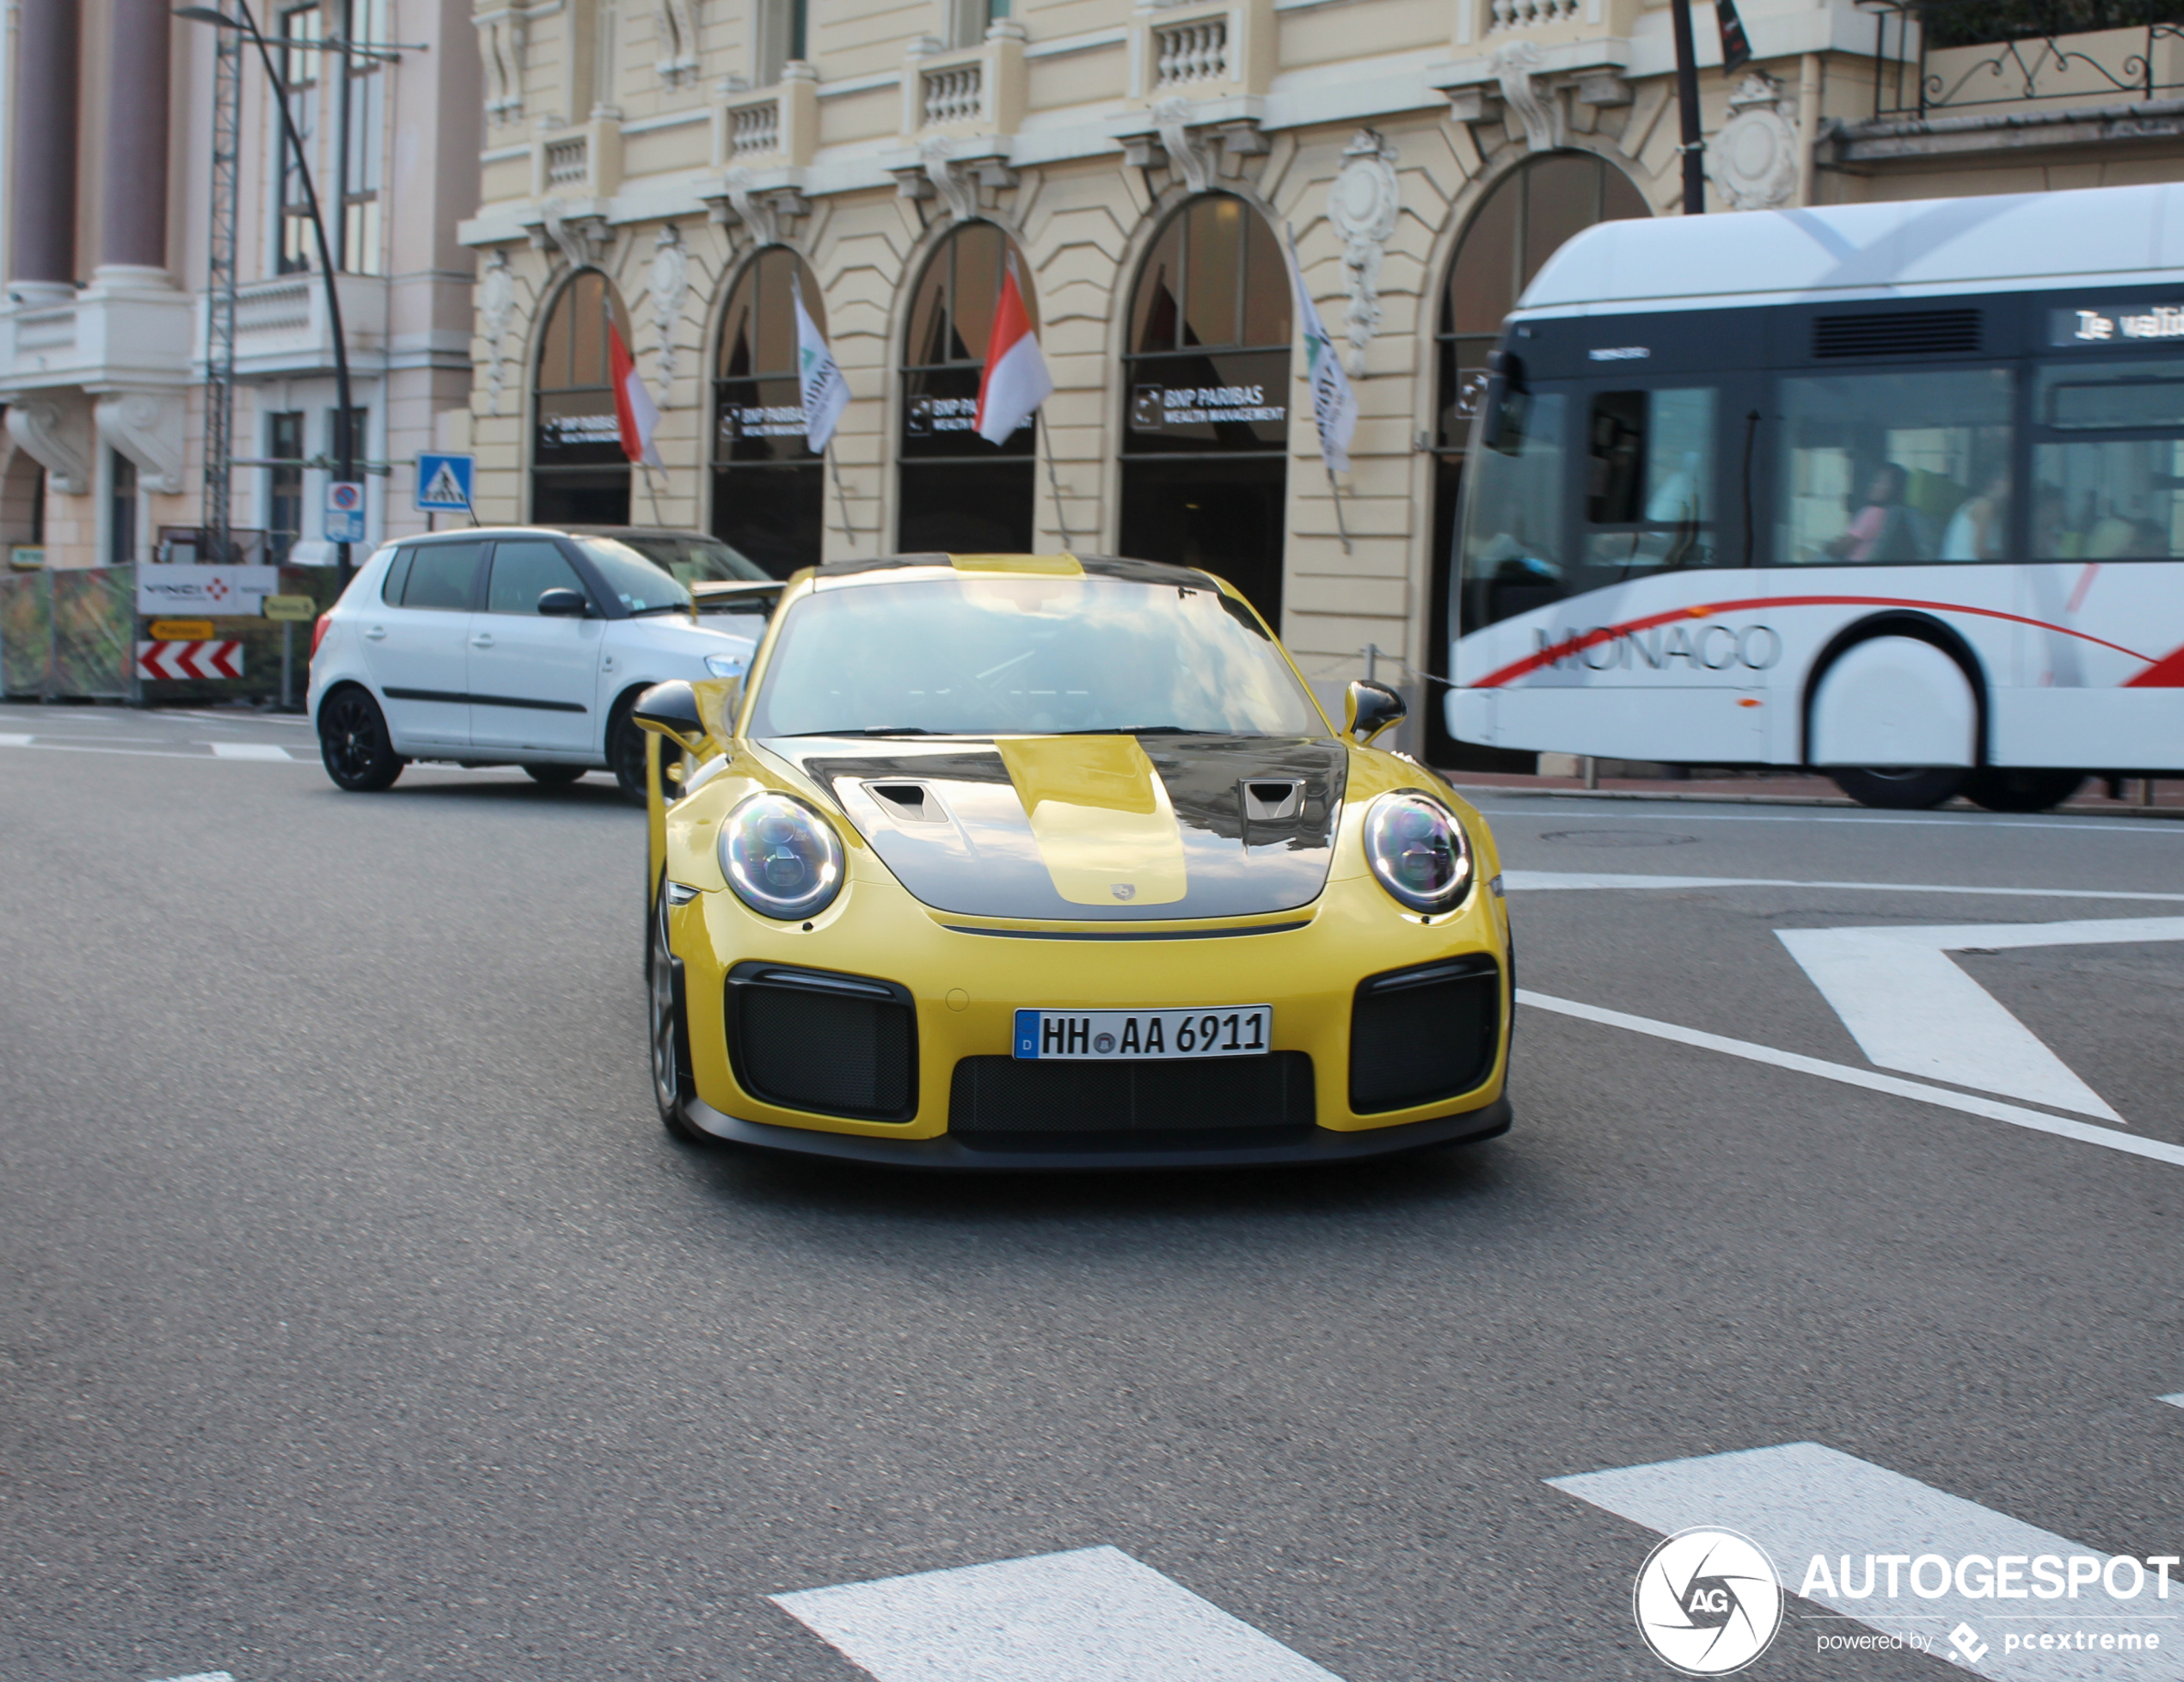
443 483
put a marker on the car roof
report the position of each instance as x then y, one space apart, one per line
470 534
1094 565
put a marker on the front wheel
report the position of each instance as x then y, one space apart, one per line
554 776
674 1086
1910 790
625 754
2001 789
353 744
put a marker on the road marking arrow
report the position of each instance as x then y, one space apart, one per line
1911 1008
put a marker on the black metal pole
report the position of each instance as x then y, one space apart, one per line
344 431
1687 101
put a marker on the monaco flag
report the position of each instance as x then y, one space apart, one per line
635 412
1015 381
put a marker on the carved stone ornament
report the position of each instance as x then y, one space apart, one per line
957 187
749 207
1187 155
496 309
52 437
675 29
146 427
583 242
1752 162
668 282
1363 203
1517 67
503 37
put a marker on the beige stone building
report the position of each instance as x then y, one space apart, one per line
679 167
106 244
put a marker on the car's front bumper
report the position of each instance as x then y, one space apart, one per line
1114 1152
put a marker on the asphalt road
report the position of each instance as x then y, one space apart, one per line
359 1321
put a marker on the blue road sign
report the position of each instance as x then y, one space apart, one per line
344 512
443 483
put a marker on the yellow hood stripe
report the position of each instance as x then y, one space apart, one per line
1101 818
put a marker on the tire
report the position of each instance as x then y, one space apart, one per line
667 1027
554 777
1910 790
2001 789
625 754
352 742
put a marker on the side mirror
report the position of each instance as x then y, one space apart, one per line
561 604
670 709
1371 708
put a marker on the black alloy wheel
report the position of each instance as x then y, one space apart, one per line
674 1086
1907 790
554 777
625 753
353 744
2004 789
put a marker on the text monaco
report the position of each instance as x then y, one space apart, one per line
1717 647
1982 1577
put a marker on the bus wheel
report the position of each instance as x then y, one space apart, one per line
2003 790
1907 790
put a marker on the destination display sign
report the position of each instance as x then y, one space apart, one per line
2117 324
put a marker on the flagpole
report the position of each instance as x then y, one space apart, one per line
1054 480
1335 491
841 495
652 490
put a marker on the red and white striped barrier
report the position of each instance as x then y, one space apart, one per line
173 661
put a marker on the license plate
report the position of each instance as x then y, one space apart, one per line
1144 1035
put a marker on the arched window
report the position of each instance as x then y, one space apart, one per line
959 494
1515 230
578 475
1205 421
769 489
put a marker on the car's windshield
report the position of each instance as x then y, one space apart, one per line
640 585
697 560
984 655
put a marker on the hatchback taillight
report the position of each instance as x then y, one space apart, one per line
318 633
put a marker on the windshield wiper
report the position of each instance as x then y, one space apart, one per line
895 730
1145 730
661 607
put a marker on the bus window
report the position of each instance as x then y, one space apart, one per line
1511 552
2112 497
1878 468
1649 483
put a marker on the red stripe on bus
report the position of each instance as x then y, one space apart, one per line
2167 673
1593 639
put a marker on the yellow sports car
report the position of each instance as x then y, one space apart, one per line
1041 860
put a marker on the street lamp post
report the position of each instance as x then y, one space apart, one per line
344 427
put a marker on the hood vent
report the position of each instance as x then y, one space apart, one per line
1897 333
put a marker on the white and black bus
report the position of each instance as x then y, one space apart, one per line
1892 490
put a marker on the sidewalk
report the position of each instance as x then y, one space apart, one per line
1791 788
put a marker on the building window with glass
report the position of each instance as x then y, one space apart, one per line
579 476
284 483
121 505
303 26
1205 400
769 488
364 124
957 493
779 38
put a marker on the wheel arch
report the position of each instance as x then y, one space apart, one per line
1918 627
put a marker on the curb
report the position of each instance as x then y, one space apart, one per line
2171 814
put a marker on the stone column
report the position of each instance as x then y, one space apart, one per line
43 244
132 229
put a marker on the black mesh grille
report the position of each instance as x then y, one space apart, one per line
838 1043
1421 1035
1028 1103
1897 333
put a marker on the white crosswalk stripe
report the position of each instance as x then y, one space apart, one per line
250 751
1814 1508
1093 1615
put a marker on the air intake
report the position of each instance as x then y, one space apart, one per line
1897 333
810 1039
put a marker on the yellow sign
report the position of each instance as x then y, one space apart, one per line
291 607
181 630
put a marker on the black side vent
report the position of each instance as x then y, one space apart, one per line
1899 333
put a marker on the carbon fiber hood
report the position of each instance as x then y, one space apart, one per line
1091 828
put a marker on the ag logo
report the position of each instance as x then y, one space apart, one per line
1124 890
1707 1601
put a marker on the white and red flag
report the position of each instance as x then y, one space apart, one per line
635 412
1015 381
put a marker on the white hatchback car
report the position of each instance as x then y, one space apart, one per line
517 646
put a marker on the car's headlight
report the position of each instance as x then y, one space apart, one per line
726 665
781 858
1417 851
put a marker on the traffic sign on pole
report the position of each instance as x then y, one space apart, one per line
344 512
443 483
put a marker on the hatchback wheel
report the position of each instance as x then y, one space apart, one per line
554 776
353 744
